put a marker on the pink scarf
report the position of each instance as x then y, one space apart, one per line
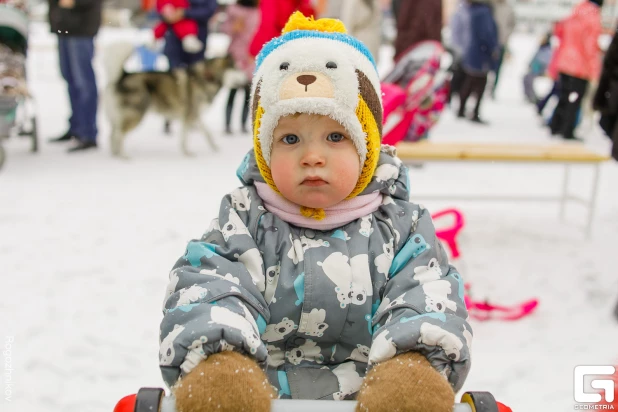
336 216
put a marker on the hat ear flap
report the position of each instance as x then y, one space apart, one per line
371 98
256 100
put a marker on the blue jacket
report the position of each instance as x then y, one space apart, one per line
201 11
481 55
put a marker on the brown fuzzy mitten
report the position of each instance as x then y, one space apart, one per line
407 383
225 382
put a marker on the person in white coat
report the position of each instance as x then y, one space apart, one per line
363 18
504 16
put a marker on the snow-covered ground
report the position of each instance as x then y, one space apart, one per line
86 242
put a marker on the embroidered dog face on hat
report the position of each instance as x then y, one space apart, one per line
314 67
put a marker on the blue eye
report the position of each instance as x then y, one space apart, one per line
290 139
336 137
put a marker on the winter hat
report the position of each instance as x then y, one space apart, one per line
315 67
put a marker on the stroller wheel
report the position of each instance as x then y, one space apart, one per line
35 137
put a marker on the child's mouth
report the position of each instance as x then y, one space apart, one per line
314 181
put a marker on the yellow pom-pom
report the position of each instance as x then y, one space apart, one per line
298 21
317 214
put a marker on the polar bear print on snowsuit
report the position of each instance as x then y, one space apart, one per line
252 260
382 348
228 276
191 294
366 229
272 279
387 303
428 273
300 246
234 226
308 351
383 262
240 199
166 350
468 336
171 287
307 243
336 267
436 297
362 285
360 354
276 356
315 322
386 172
226 317
252 339
349 380
277 332
432 335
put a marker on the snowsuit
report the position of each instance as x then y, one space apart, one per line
317 306
181 28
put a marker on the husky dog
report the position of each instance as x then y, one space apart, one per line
179 94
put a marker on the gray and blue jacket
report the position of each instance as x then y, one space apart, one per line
317 308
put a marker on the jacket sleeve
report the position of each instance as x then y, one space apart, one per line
214 301
267 29
422 307
592 50
201 10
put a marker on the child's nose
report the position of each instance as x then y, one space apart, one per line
313 158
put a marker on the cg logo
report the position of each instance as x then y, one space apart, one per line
606 384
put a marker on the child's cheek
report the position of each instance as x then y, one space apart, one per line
283 172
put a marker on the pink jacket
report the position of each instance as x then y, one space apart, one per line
241 24
578 54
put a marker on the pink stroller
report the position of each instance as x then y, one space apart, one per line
414 93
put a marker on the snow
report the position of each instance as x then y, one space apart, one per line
87 241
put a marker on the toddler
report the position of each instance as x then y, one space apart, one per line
319 279
185 29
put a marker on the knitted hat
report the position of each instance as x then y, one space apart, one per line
314 67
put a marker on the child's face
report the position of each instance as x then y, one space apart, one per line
313 161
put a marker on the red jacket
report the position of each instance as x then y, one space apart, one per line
275 13
578 54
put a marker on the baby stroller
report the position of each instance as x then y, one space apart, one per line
415 93
16 104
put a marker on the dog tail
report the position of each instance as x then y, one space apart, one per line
114 57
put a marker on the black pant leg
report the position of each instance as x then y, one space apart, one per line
557 120
464 93
245 107
229 107
480 84
571 109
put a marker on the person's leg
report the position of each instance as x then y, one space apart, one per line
67 74
228 110
464 93
480 82
557 122
245 108
575 97
497 76
457 80
81 53
529 87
